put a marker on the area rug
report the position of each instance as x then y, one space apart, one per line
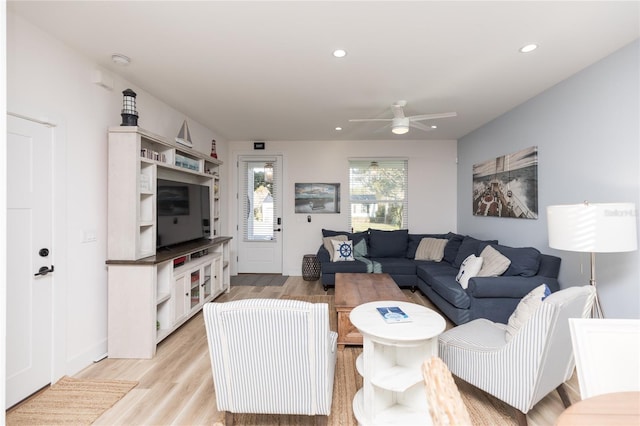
70 402
259 280
483 408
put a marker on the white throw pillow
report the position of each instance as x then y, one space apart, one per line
342 250
527 306
431 249
494 263
468 269
327 242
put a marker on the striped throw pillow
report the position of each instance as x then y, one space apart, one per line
494 263
431 249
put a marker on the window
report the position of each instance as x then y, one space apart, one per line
378 194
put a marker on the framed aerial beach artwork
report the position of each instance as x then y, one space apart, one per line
317 198
507 186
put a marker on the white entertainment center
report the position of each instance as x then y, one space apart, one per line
153 292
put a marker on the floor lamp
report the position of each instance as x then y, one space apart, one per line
593 228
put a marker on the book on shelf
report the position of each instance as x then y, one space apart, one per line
393 314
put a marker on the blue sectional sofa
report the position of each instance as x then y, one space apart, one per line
494 297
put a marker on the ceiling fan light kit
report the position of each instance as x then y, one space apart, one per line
400 126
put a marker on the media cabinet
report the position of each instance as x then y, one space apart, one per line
151 294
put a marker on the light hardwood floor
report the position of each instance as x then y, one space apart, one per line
176 386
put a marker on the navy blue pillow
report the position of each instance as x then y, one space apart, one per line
388 243
452 247
468 247
525 261
414 242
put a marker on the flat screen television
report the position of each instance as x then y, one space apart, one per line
183 212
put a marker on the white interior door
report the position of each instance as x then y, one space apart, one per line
29 239
260 214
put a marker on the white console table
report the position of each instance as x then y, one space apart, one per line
393 386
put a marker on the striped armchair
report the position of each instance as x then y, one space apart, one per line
271 356
521 371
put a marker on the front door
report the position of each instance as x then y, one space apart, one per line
29 258
260 209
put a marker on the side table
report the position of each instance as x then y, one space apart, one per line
393 385
310 267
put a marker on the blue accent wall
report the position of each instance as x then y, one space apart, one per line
587 130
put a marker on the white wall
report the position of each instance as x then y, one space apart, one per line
587 129
47 80
432 186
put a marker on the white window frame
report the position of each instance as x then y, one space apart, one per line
362 170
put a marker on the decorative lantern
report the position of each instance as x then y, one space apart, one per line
129 113
213 149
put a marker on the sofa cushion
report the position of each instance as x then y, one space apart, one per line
469 268
388 243
525 261
447 287
396 266
452 247
355 266
470 246
414 242
342 251
427 270
327 242
526 307
493 263
431 249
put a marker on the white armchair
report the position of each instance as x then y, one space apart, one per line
607 355
523 370
271 356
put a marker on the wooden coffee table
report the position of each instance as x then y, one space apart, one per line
355 289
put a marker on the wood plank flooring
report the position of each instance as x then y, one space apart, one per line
176 386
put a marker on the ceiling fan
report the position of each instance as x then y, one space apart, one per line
400 123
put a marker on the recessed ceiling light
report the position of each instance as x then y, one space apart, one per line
120 59
528 48
434 126
338 128
339 53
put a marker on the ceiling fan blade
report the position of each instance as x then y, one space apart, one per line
433 116
355 120
420 126
382 129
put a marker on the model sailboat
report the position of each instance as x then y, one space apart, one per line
184 136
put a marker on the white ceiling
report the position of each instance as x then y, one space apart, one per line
264 70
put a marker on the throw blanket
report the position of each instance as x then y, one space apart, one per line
372 265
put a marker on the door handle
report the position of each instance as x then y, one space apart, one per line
44 271
278 230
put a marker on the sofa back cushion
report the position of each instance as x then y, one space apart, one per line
525 261
388 243
360 240
470 246
452 247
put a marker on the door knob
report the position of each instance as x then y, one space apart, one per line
44 271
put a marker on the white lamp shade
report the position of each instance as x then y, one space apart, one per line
596 228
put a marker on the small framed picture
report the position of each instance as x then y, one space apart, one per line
317 198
